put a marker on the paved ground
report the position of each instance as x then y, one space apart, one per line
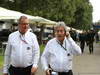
86 64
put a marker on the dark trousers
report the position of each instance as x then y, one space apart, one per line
20 71
91 47
66 73
82 44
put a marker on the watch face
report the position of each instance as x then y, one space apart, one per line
54 73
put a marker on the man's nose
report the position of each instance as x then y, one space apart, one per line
59 32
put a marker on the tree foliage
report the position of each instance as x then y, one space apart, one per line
75 13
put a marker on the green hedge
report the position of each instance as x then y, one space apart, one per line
41 48
1 61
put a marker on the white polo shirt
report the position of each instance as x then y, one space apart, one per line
57 57
21 50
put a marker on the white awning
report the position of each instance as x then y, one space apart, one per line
6 14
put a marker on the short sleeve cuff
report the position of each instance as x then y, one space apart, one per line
45 68
35 65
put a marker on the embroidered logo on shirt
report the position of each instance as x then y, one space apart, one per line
68 54
28 48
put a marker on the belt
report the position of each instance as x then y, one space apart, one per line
62 73
11 66
66 72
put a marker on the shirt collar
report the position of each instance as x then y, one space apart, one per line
63 41
23 34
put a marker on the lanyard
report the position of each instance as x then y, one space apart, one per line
62 45
23 39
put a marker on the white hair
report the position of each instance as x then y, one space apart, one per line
62 24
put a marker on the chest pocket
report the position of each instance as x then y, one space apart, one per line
29 45
69 56
28 48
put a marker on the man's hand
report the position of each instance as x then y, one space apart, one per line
5 74
67 34
48 71
33 70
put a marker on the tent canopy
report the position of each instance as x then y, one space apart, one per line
6 14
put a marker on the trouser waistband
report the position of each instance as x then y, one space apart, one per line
62 73
19 70
66 73
21 67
